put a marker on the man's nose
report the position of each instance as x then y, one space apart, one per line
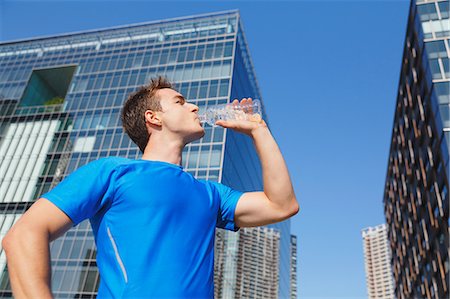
194 108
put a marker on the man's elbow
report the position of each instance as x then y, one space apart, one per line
291 210
7 242
17 236
294 209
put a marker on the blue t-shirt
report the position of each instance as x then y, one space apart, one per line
154 225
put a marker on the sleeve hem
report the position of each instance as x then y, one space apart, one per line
59 203
231 221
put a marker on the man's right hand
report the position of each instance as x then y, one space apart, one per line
27 249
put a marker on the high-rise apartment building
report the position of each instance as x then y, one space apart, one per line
294 267
60 101
255 272
416 196
377 256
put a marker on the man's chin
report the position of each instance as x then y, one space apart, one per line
201 134
197 135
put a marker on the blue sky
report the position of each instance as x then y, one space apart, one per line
328 72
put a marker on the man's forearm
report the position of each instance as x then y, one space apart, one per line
28 257
277 183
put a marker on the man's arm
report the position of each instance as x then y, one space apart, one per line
27 249
278 201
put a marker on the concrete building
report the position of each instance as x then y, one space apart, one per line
255 273
294 286
377 256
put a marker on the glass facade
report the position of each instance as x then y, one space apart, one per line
416 198
60 102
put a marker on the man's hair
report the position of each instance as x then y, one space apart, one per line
132 116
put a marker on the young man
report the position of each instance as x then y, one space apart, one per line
154 224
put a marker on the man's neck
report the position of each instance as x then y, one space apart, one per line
162 149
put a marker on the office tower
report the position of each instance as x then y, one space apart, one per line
293 267
416 198
61 98
377 256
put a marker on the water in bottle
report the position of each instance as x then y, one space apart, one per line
250 110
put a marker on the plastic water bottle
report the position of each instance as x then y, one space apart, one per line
248 111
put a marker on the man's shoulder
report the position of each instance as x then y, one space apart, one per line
203 181
212 185
109 163
114 160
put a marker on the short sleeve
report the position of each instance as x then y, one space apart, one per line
228 198
85 191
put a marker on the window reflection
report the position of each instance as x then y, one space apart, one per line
436 49
427 12
435 69
216 154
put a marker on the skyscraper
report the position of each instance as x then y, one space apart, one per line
60 101
416 197
377 256
294 267
255 273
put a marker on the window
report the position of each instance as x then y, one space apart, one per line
216 155
445 64
218 134
436 49
84 144
172 55
213 89
441 90
223 90
203 90
204 156
218 53
427 12
197 71
226 68
435 69
81 85
207 137
444 9
209 51
138 60
206 71
123 79
440 28
190 54
192 157
200 52
181 55
228 49
445 115
164 56
193 90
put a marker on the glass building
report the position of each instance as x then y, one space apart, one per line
60 102
416 195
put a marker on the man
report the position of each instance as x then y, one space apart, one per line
154 224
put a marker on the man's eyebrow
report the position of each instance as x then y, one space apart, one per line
179 97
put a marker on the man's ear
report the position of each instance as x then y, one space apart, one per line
153 118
